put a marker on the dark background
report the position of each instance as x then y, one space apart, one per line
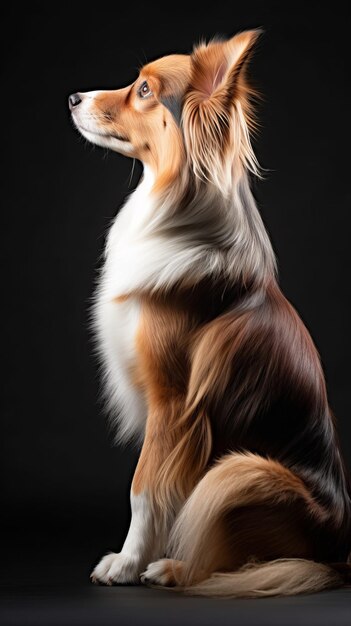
65 488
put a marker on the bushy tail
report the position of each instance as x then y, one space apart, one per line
199 540
282 577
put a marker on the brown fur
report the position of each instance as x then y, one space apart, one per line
251 533
217 84
226 498
186 361
176 449
151 128
261 330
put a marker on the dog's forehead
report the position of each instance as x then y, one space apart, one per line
172 71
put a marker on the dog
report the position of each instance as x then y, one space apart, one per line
240 488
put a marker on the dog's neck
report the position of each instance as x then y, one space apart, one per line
225 223
185 234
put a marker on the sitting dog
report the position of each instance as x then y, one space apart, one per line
240 488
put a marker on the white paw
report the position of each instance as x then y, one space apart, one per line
116 569
157 573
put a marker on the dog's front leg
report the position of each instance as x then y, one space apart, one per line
150 523
141 546
165 474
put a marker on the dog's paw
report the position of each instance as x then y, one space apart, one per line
165 572
114 569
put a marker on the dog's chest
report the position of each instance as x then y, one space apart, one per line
117 314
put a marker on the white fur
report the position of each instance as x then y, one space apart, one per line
87 122
152 245
116 322
144 542
116 326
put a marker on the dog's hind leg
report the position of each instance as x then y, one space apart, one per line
246 530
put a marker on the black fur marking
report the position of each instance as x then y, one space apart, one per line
174 105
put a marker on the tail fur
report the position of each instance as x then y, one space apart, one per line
282 577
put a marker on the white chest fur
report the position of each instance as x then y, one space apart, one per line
116 322
116 325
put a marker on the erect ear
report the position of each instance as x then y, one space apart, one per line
217 85
219 64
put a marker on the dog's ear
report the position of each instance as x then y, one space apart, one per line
217 89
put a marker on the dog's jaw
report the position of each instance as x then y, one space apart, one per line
105 141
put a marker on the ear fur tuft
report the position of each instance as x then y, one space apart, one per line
217 111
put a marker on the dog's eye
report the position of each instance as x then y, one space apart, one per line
144 90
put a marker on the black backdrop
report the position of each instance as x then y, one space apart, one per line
66 487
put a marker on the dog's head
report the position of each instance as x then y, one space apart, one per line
192 110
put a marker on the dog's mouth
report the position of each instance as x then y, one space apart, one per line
104 135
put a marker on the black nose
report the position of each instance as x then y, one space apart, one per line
73 100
